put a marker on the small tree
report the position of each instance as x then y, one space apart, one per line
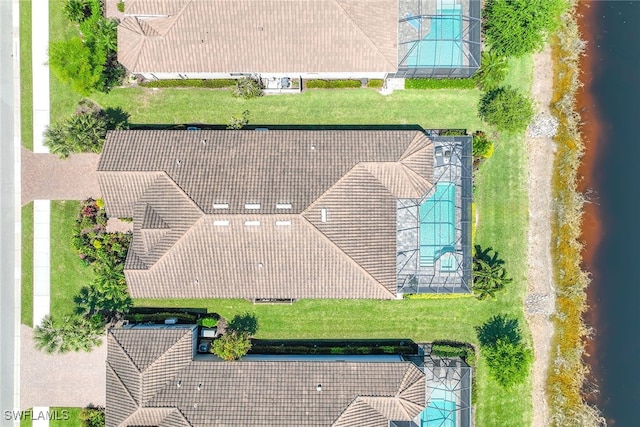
231 346
489 274
79 133
508 362
72 63
506 109
518 27
492 72
247 88
71 334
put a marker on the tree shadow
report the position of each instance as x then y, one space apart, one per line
484 254
498 327
244 323
117 118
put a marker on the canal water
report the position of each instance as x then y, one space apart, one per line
610 107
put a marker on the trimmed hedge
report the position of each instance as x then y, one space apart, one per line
436 296
463 350
332 84
439 84
375 83
207 84
332 347
160 317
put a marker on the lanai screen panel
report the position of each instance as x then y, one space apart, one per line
438 38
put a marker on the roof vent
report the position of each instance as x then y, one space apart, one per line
204 141
283 206
283 222
221 222
179 383
260 265
319 387
196 282
252 223
221 206
323 214
313 147
199 386
178 162
252 206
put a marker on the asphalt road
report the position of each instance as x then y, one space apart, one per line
7 214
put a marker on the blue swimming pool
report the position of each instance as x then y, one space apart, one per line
437 223
442 47
439 413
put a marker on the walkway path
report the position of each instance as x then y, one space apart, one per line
41 208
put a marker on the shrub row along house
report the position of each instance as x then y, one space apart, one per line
291 214
155 378
326 39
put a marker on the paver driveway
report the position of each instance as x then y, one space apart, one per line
68 380
47 177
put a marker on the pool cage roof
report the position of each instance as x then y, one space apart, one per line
438 38
443 264
448 392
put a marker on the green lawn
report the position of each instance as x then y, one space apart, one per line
26 76
27 265
68 274
57 413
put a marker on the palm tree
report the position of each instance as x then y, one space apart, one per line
489 274
47 336
492 71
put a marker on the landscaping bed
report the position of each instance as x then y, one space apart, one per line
324 347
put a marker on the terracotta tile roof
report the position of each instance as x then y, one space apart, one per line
322 224
261 393
183 36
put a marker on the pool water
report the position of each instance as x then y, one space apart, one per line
439 413
437 224
442 47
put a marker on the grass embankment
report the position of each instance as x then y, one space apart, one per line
567 370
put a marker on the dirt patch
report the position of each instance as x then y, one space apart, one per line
540 298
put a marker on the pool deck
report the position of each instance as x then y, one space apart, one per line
414 276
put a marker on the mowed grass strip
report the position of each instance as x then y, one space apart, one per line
26 76
68 273
26 293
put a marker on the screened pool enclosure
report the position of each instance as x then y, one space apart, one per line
438 38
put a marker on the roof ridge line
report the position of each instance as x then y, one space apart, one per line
127 354
361 31
133 399
336 247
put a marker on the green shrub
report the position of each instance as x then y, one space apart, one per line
332 84
70 334
80 133
247 88
238 122
88 61
506 109
375 83
465 351
508 362
482 147
337 350
492 72
120 6
518 27
439 84
92 416
208 322
231 346
208 84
